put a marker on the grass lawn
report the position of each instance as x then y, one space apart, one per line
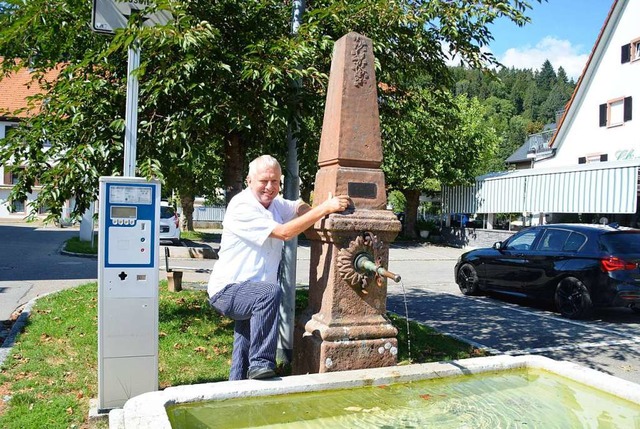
75 245
51 374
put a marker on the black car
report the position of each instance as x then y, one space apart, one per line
577 266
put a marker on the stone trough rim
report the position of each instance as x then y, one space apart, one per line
148 410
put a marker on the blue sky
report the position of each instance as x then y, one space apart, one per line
562 31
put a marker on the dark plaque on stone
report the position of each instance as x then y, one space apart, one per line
362 190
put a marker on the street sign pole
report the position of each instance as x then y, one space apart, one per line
108 16
131 112
286 328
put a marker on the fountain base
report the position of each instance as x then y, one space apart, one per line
320 348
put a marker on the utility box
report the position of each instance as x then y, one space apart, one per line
128 247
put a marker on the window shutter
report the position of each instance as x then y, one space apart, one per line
627 109
625 53
604 157
582 160
7 176
603 115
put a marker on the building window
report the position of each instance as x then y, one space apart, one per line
15 176
593 157
630 52
9 128
11 175
17 207
616 112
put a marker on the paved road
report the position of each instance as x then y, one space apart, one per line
610 342
31 264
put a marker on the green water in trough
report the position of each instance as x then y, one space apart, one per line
507 399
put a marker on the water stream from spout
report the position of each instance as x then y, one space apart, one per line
406 315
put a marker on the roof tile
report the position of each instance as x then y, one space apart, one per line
16 87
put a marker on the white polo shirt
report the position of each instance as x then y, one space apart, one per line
246 250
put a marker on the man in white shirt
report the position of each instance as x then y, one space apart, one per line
243 284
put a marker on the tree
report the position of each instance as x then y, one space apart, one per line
546 77
215 86
441 137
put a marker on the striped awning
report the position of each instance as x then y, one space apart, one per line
609 187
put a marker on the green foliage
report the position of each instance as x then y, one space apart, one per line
200 236
517 102
427 225
216 89
397 201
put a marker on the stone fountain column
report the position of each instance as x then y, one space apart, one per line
345 325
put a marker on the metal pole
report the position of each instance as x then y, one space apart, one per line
131 118
290 251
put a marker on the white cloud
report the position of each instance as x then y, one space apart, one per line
558 52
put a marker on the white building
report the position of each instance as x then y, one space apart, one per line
14 91
590 166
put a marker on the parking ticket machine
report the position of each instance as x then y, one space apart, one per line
128 247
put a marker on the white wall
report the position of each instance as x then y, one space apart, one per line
582 136
2 134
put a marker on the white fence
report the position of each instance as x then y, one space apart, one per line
209 214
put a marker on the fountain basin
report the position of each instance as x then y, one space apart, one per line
149 410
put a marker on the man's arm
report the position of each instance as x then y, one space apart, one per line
307 216
302 208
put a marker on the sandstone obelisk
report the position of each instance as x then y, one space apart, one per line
345 325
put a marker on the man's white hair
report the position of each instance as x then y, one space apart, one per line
264 161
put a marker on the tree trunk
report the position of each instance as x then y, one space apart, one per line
411 212
234 153
187 212
305 193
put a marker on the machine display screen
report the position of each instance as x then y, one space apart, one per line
124 212
130 195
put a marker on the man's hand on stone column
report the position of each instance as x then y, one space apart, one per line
338 203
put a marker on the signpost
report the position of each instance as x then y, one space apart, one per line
109 15
106 18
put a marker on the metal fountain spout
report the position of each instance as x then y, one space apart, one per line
364 263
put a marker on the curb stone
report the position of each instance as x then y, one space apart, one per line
20 322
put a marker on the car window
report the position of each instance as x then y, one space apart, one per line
522 241
553 240
621 242
575 242
166 212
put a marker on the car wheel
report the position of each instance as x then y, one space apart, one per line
467 279
573 299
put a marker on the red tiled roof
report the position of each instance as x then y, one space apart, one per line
15 88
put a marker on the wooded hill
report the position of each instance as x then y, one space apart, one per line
517 102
